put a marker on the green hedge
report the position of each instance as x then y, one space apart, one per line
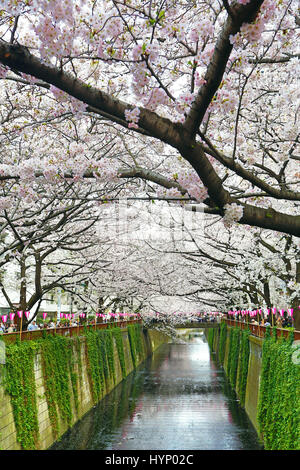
279 403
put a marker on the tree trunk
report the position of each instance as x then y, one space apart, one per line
23 293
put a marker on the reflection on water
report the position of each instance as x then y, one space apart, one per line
178 399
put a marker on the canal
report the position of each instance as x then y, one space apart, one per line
178 399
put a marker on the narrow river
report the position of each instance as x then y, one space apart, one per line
178 399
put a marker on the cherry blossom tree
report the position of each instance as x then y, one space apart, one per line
206 79
195 101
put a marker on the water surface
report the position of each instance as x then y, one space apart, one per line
178 399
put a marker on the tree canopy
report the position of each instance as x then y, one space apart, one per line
191 101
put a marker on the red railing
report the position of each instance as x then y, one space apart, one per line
64 330
260 330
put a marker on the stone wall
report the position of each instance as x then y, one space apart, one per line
254 371
152 339
253 380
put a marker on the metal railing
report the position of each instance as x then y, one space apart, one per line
260 330
68 331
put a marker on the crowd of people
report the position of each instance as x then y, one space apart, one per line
278 321
208 317
272 320
10 327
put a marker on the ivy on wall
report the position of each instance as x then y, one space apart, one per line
222 342
233 355
61 363
19 383
279 404
95 366
109 351
135 340
244 354
117 334
210 338
77 345
58 371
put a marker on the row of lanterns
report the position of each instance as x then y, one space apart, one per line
63 315
20 315
261 312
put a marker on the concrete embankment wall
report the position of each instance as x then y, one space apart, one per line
254 372
151 340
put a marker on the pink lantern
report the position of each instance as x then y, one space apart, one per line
61 315
11 316
4 318
290 311
20 313
44 315
281 312
273 311
27 314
